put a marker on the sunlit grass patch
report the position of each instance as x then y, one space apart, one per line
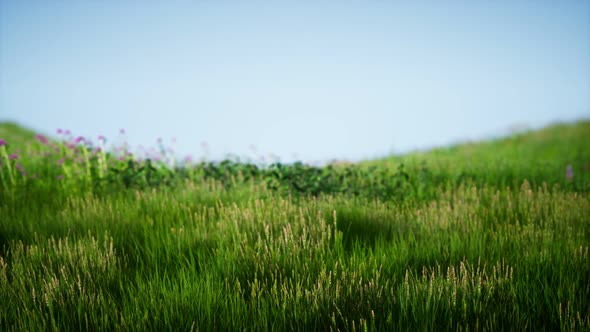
59 282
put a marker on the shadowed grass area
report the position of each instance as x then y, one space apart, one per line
205 248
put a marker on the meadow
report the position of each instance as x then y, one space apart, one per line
489 235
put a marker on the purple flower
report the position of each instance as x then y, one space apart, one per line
2 142
569 172
13 156
41 138
101 138
67 132
60 177
19 167
79 139
122 131
60 161
60 131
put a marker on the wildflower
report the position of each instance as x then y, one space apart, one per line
60 161
13 156
67 132
122 131
79 139
569 172
101 138
41 138
2 142
60 131
60 177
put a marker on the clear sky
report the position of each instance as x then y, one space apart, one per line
299 79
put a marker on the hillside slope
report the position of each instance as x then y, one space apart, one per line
538 156
15 135
455 239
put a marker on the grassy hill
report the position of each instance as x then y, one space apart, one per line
491 235
15 134
537 156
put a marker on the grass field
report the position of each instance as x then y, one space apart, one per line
482 236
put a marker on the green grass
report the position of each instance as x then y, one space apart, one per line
482 236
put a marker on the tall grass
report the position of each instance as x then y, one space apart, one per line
190 250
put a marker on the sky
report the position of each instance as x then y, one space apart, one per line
293 80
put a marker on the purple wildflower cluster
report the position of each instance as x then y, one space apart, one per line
69 155
42 139
569 173
64 153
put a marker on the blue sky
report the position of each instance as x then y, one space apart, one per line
301 80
